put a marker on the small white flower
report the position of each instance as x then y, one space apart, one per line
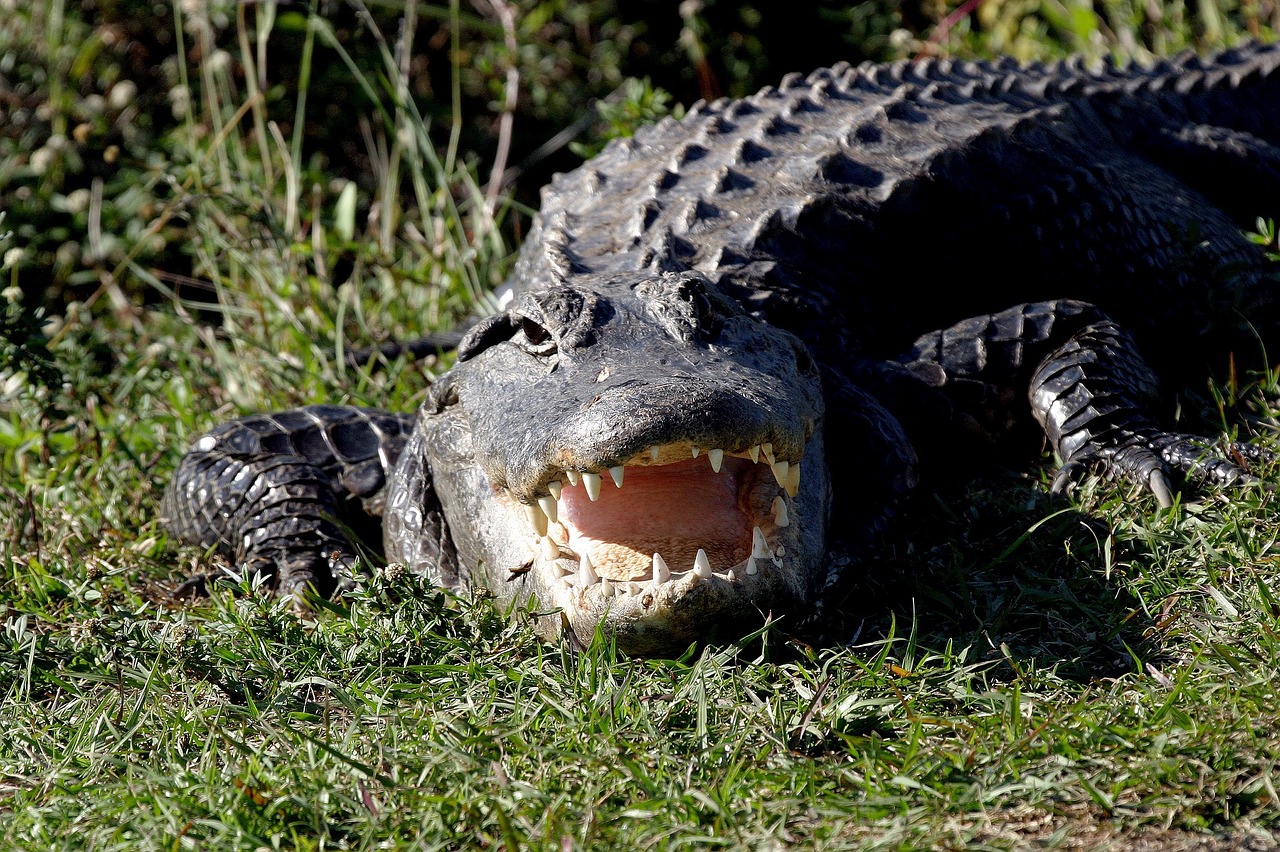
68 254
122 94
13 383
13 257
77 201
41 159
179 101
219 61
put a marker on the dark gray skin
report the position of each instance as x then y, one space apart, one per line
628 363
755 275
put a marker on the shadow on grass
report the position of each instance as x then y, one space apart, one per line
1009 571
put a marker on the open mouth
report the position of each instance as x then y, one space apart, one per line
669 513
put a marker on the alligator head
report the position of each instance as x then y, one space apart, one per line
639 453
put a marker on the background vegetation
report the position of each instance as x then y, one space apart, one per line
206 203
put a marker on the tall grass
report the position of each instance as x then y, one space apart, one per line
1029 675
422 250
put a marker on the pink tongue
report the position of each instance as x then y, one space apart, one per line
672 509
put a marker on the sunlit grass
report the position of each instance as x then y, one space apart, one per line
1018 672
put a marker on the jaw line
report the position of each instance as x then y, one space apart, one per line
641 602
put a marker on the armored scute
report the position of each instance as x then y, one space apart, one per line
734 338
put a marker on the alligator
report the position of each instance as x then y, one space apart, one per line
736 340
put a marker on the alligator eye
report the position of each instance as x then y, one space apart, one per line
533 332
538 340
528 334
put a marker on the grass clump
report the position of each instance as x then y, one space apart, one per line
1020 674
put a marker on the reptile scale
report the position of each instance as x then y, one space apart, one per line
735 339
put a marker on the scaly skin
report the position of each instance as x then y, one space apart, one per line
740 289
273 491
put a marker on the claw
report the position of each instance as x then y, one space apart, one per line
1159 485
1067 474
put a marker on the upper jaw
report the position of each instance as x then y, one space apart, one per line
619 424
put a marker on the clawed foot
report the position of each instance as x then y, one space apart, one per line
322 573
1148 458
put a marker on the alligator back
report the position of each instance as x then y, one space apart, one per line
963 186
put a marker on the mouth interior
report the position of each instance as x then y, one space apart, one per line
671 509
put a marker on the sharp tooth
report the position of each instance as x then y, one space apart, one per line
634 588
606 587
653 452
767 451
537 520
701 566
695 451
556 487
754 452
793 479
780 472
550 550
572 476
752 568
730 576
549 507
616 473
563 571
591 482
759 547
661 573
717 459
586 574
780 518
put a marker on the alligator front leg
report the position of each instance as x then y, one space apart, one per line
278 494
1092 397
1089 388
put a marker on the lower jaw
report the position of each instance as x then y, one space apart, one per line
647 621
639 570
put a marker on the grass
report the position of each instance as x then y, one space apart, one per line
1026 674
